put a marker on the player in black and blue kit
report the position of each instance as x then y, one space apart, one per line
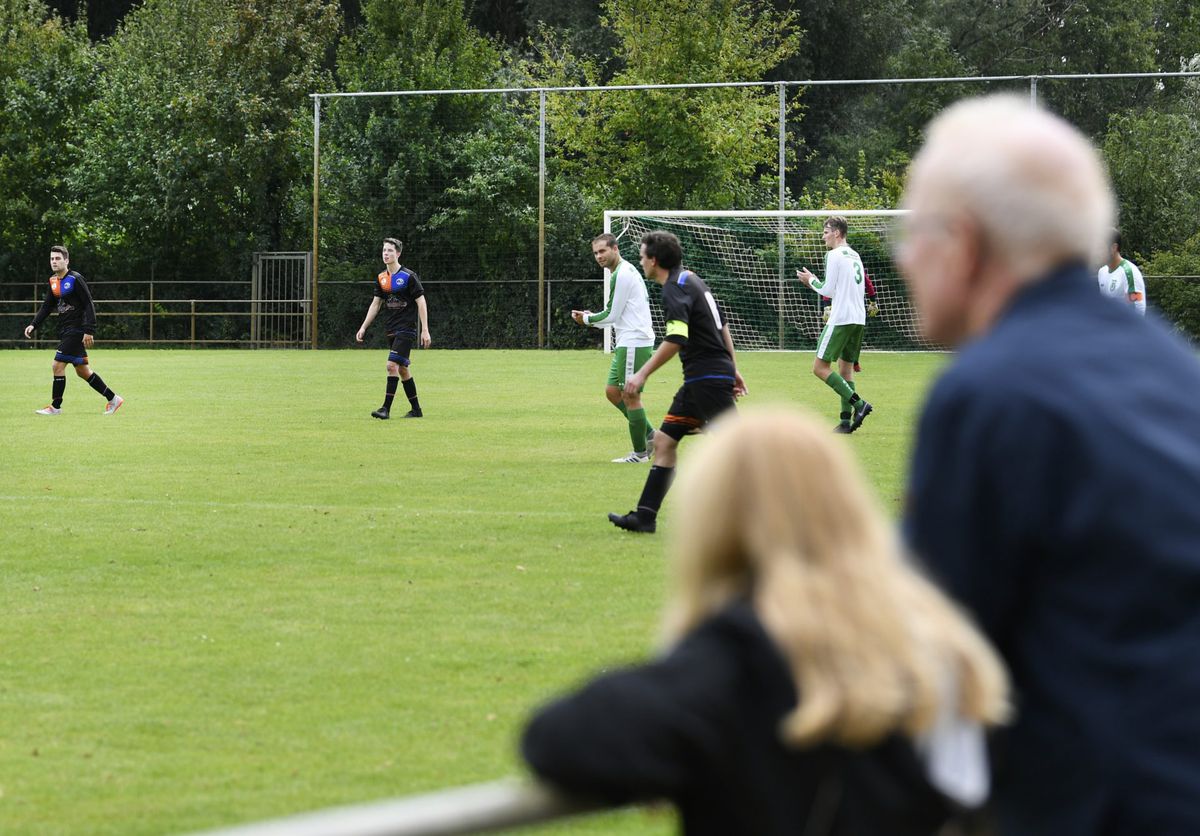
68 295
400 291
697 332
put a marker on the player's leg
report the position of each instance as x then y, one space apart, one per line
401 349
623 367
393 380
693 408
829 349
59 386
641 423
612 393
112 399
614 390
848 357
684 417
846 370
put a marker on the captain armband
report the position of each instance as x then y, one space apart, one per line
676 328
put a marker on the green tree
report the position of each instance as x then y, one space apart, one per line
454 176
45 79
386 161
200 132
1153 156
669 148
1174 285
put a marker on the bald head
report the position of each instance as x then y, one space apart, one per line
1011 191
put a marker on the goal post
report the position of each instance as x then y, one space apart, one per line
749 259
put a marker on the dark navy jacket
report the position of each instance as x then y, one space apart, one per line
1055 491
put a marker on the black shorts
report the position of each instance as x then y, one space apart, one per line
402 343
695 405
71 350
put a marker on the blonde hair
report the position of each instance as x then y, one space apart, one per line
773 509
1035 184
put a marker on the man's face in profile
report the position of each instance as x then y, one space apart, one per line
938 255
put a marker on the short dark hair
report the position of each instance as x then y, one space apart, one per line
1116 237
59 248
395 242
608 238
664 248
838 224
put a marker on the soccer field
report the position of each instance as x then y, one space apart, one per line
242 597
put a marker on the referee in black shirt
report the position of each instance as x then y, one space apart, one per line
696 331
68 294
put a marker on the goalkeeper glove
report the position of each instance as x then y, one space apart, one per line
825 313
872 308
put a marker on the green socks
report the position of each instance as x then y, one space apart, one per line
838 384
639 428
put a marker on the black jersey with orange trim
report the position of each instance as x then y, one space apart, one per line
399 292
694 322
70 298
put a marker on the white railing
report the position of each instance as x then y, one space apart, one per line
479 808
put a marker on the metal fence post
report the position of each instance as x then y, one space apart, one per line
316 204
1033 94
541 341
782 171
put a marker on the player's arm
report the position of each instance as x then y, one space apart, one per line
370 317
675 311
1134 295
619 292
423 316
739 384
813 283
661 356
43 312
89 312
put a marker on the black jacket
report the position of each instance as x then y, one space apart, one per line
700 727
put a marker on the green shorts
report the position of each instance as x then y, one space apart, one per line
840 342
625 362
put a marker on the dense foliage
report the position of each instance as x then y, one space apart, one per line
173 138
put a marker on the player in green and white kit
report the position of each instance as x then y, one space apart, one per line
1121 279
628 312
841 339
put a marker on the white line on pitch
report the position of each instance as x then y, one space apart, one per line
284 506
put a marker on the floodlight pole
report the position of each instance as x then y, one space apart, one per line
316 204
782 172
541 218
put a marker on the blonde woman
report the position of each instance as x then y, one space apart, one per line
815 683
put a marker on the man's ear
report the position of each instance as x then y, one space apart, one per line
972 250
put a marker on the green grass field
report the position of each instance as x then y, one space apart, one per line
241 597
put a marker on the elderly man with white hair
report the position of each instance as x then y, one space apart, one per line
1055 486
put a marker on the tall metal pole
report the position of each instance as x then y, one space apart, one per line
316 206
782 171
541 218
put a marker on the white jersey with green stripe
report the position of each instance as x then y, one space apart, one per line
628 310
1124 283
843 285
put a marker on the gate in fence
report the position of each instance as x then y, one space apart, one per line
281 300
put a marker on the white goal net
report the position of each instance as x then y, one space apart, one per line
749 259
